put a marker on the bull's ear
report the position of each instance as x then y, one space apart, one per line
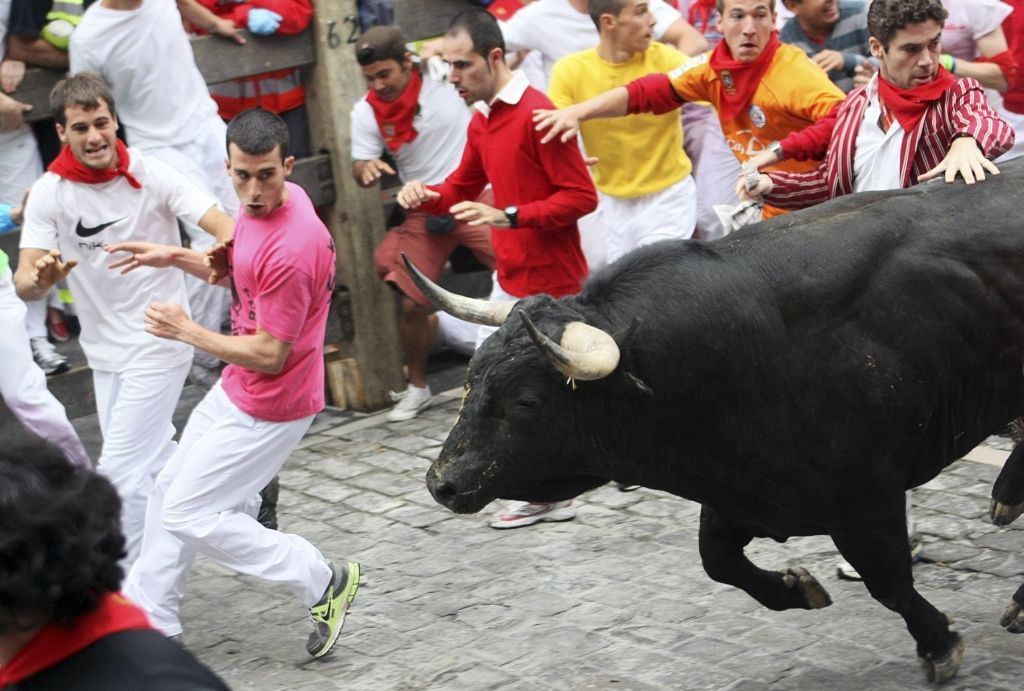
586 353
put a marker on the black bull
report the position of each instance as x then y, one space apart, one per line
794 378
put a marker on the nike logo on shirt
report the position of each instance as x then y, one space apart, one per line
85 231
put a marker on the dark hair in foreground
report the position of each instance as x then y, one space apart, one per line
258 131
482 29
598 7
85 89
886 17
60 536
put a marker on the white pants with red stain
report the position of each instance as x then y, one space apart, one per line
23 384
198 506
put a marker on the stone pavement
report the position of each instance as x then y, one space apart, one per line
616 599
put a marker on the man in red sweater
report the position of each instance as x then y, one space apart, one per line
540 190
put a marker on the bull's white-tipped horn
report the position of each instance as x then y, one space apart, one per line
585 353
467 309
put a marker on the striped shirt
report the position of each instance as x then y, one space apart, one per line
962 110
849 36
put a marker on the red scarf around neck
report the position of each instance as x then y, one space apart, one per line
739 80
909 105
395 118
69 167
55 643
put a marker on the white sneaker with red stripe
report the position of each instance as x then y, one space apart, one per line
524 513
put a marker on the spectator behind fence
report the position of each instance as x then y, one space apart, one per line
422 125
833 33
279 91
63 623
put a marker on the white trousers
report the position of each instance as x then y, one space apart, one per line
135 408
23 384
225 457
497 295
637 221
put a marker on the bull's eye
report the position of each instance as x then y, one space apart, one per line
526 402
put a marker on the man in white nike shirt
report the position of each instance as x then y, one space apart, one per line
98 192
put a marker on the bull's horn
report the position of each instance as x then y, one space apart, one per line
586 353
467 309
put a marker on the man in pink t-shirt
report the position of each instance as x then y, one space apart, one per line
280 266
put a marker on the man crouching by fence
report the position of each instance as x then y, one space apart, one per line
280 267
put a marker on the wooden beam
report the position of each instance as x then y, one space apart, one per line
35 90
418 19
221 60
314 175
356 219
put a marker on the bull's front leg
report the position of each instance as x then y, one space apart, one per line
880 553
721 551
1008 491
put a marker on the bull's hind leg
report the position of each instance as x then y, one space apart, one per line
721 551
1008 490
881 556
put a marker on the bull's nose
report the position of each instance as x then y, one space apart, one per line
444 491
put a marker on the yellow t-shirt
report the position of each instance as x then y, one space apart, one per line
638 154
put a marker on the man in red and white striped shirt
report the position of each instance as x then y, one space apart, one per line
912 122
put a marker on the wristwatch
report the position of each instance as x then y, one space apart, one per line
776 148
512 212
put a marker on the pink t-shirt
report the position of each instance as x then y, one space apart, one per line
282 275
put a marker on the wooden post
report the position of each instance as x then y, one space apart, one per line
356 219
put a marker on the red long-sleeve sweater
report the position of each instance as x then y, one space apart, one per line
548 183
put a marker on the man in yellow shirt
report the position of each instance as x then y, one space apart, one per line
643 197
762 89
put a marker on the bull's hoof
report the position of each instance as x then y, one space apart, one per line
1013 618
1004 514
814 596
944 668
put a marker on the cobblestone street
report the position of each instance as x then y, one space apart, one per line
616 599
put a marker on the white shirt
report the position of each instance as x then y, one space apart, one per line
555 29
67 215
146 58
441 122
511 93
876 154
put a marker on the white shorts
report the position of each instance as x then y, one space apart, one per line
665 215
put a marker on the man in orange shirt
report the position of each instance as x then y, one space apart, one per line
761 89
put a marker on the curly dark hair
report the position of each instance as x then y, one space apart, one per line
60 536
886 17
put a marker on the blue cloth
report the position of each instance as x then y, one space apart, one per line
849 36
6 223
263 22
376 13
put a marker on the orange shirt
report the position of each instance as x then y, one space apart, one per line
793 94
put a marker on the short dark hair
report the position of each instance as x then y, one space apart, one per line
85 89
257 131
720 6
60 535
886 17
599 7
381 43
482 29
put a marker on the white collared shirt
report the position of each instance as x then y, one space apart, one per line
511 93
876 154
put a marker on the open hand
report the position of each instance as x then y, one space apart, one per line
141 254
414 193
167 320
51 269
562 122
217 260
965 158
477 214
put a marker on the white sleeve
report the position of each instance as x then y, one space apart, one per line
367 142
40 228
520 31
185 200
985 16
664 16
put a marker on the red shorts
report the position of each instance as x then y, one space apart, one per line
428 251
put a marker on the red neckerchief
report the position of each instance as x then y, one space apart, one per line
55 643
395 118
740 79
908 105
69 167
700 14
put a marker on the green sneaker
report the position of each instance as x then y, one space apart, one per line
328 615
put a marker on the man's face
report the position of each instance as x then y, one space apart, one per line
259 179
632 29
746 26
819 14
91 134
912 58
470 74
388 78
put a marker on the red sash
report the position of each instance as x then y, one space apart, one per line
55 643
395 118
909 105
69 167
740 79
